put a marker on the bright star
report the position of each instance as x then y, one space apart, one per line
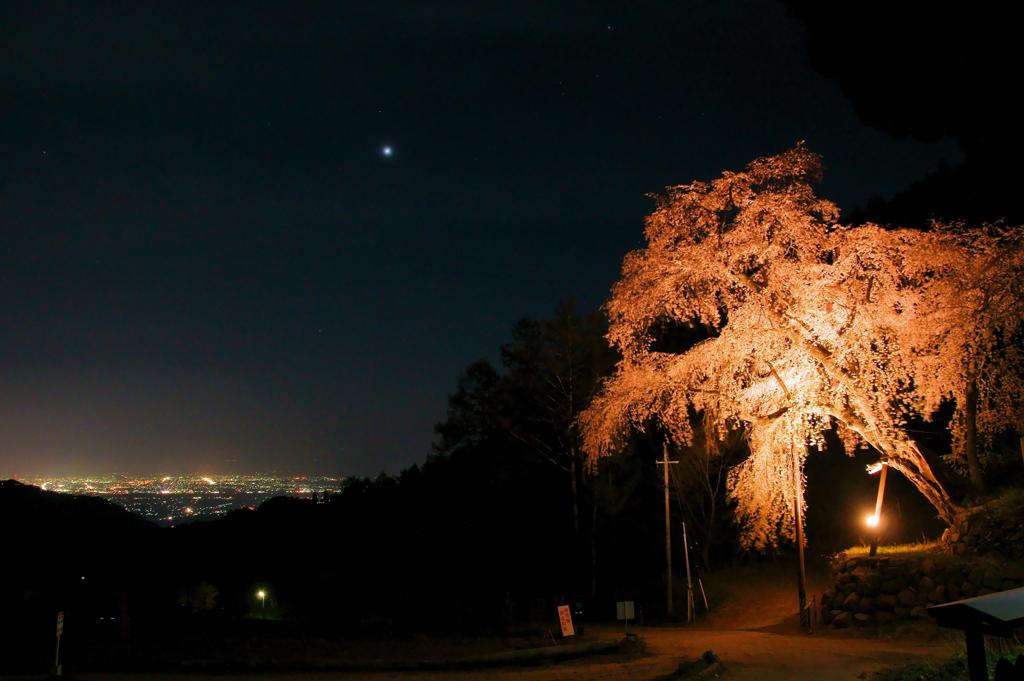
387 151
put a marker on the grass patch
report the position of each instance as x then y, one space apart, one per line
902 550
1007 501
922 550
953 669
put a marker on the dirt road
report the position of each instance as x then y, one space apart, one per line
746 654
752 629
827 656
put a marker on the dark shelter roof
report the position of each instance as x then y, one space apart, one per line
997 613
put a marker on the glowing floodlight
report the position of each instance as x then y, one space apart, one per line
872 520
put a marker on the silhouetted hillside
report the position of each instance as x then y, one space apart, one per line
69 553
56 536
28 508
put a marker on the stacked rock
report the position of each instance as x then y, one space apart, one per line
994 529
877 590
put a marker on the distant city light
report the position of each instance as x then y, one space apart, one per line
167 499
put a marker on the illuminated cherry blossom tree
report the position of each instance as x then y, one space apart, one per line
971 352
812 325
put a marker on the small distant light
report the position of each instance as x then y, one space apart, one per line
872 520
387 151
83 578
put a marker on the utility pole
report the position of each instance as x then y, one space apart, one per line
56 655
876 519
668 532
801 585
689 581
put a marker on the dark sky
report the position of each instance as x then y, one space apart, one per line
207 263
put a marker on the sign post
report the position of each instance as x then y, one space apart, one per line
565 620
60 630
624 611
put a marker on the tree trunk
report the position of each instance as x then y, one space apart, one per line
971 440
593 549
712 490
705 550
905 457
575 500
578 578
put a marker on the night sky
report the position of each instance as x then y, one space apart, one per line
209 263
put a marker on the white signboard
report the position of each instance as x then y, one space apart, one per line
624 610
565 619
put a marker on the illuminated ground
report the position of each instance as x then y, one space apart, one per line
748 655
754 632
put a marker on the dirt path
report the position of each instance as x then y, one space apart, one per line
826 656
752 629
747 655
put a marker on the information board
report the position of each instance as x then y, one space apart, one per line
565 619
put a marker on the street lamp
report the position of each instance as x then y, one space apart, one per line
262 595
874 521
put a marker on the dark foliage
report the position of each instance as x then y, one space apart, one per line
481 538
919 70
486 536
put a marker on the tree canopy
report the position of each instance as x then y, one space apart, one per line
810 325
931 76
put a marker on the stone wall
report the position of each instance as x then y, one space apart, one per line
889 588
992 529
